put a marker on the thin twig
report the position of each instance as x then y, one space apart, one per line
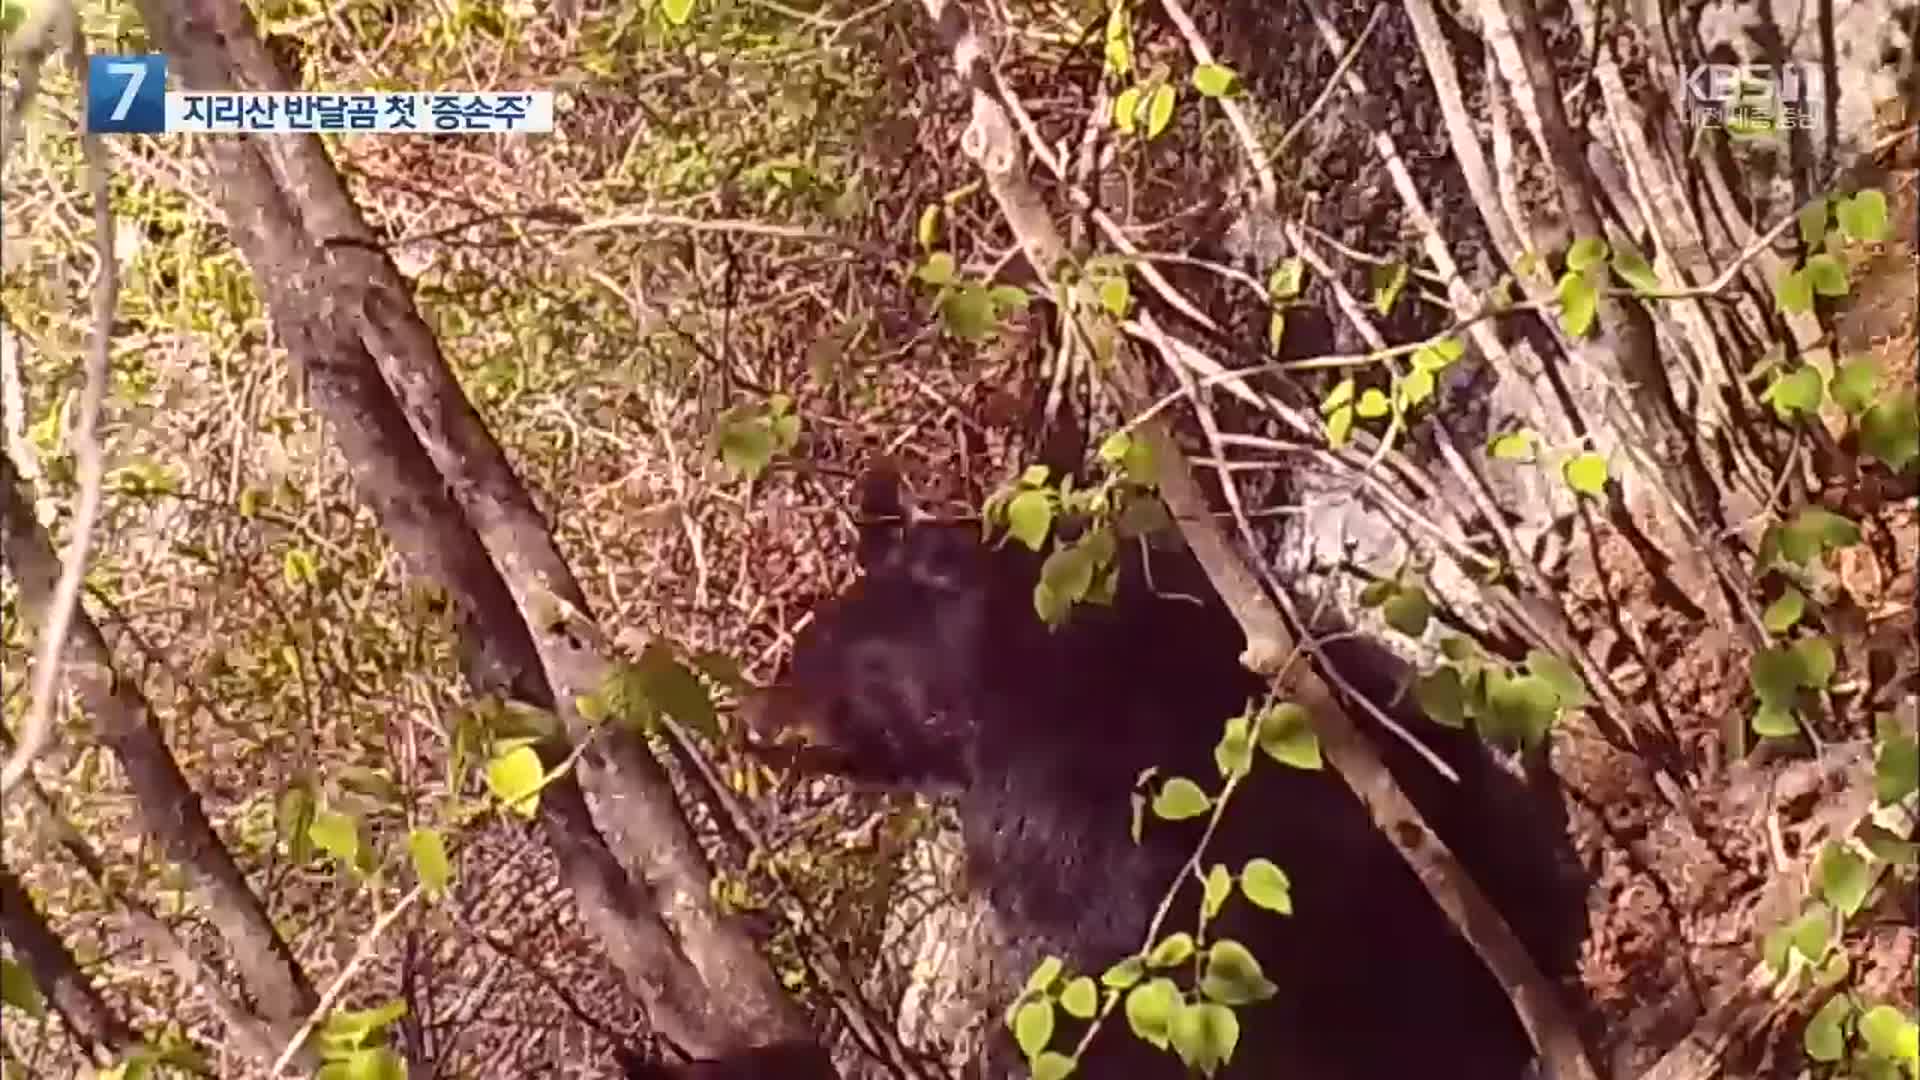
361 954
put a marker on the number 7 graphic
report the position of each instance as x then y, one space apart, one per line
127 94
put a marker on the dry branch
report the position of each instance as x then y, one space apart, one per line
165 804
59 609
97 1026
257 1037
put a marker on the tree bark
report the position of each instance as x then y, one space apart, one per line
165 804
454 507
94 1024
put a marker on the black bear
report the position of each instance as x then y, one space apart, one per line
933 673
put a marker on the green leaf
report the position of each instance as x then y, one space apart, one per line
1797 391
1853 384
1442 696
1587 474
337 834
1119 40
677 11
1557 673
939 269
1816 660
1896 767
1029 517
1776 676
1179 799
1373 404
1892 1035
1205 1035
1341 394
1033 1026
1864 216
1634 269
1512 446
1289 276
1213 80
298 568
1116 296
1150 1007
1783 613
1008 298
1415 388
1053 1065
514 778
747 445
968 313
1124 974
1339 426
1219 886
1813 223
1080 998
1774 948
1125 108
293 817
375 1063
1408 610
1825 1036
1388 280
1812 932
18 989
1823 529
1793 293
1586 252
1159 110
1233 977
1266 885
1286 733
1827 274
1174 949
1579 303
1044 976
1233 754
1890 431
928 233
1844 877
1520 710
1069 571
1775 721
430 862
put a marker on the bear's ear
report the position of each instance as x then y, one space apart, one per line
881 513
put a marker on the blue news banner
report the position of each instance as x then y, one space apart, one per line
128 94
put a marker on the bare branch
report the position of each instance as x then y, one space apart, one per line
37 727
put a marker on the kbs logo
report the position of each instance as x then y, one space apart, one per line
1754 100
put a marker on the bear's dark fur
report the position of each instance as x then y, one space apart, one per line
933 673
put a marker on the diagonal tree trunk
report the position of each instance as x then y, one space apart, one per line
99 1029
165 805
459 514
